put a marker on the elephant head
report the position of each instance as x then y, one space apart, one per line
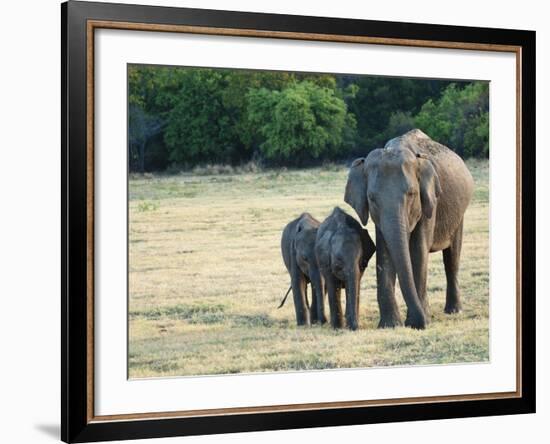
304 245
397 187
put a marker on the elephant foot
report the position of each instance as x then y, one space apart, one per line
417 321
453 302
352 322
453 308
318 319
336 323
416 324
390 321
353 326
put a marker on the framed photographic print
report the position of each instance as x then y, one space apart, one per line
276 221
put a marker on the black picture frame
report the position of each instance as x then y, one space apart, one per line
76 423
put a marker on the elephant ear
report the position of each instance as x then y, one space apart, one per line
356 189
430 188
369 248
300 224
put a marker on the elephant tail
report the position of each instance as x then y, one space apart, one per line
284 299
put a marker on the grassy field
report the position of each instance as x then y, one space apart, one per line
206 277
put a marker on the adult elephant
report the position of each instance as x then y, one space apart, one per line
416 191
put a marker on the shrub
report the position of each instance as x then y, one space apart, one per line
301 122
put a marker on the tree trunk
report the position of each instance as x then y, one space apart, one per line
142 157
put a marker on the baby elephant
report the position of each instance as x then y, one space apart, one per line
343 250
298 248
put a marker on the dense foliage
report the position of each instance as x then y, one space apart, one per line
301 121
187 116
459 119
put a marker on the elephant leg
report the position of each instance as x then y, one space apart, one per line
317 311
333 290
385 292
420 251
313 308
451 259
321 318
318 308
352 300
299 289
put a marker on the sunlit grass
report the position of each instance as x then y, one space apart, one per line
206 277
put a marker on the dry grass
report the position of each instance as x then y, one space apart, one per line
206 277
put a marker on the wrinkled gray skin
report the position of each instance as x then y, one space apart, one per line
298 249
343 250
416 191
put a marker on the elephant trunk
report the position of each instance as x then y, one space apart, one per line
396 237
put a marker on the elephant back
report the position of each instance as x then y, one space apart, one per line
304 222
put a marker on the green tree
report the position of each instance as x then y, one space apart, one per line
145 122
380 98
190 115
199 128
399 123
303 121
234 97
459 119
